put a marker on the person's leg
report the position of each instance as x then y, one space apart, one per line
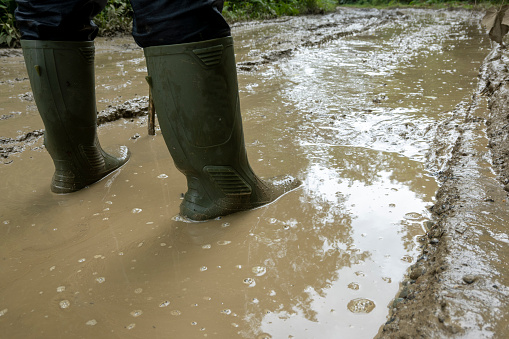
168 22
59 56
195 91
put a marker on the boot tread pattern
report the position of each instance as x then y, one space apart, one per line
210 56
228 180
88 53
94 157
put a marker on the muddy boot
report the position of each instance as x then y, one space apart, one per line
62 79
195 91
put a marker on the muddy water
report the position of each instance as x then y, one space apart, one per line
351 116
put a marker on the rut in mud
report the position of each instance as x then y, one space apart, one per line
351 102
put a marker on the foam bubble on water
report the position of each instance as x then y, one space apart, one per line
138 290
2 312
140 244
82 260
109 202
131 326
6 222
65 304
224 242
136 313
175 313
194 323
259 270
136 210
226 311
120 253
100 280
272 293
162 176
235 325
91 322
149 222
163 244
165 303
52 268
207 247
250 282
60 289
203 268
225 224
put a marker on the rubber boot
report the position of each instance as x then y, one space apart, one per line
195 92
62 79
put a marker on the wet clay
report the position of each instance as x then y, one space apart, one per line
369 108
459 286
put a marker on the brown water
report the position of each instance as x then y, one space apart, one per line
351 117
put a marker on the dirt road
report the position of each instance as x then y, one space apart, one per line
398 231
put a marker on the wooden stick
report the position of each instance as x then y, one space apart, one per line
151 114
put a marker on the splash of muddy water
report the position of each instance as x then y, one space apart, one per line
345 101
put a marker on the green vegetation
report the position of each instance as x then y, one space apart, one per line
9 35
117 16
235 10
422 3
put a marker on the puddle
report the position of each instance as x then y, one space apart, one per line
350 115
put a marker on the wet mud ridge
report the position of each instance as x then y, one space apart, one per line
305 35
459 286
132 108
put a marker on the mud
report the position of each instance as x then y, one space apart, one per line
381 116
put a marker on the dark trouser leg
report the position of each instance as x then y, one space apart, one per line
169 22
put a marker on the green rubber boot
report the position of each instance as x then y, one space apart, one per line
195 91
62 79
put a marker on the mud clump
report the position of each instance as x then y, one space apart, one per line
458 287
494 76
132 108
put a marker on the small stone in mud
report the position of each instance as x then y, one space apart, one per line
396 302
404 292
469 278
417 272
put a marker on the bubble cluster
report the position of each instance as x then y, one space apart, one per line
250 282
91 322
136 313
259 270
65 304
165 303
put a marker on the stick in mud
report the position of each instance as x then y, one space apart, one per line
151 114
